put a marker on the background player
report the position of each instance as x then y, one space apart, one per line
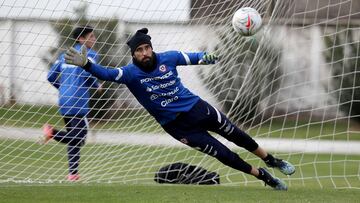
74 86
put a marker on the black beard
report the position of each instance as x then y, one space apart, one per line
146 66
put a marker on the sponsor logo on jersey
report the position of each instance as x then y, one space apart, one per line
153 97
161 86
165 102
166 94
162 68
165 76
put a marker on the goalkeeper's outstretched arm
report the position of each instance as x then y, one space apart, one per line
102 72
72 56
201 58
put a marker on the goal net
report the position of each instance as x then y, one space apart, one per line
294 87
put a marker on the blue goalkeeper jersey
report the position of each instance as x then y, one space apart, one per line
160 92
74 84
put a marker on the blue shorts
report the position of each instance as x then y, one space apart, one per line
191 128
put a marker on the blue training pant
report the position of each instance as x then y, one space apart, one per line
191 128
74 137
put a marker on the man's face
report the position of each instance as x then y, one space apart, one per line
143 54
88 40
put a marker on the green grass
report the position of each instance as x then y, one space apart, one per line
302 129
125 174
28 116
21 160
168 193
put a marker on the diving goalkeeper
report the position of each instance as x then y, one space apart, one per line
153 80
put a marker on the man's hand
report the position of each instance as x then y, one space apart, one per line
208 59
72 56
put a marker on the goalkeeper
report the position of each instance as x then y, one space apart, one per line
154 81
74 86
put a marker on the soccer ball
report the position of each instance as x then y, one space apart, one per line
246 21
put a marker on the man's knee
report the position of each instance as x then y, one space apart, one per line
228 155
242 139
233 160
78 138
77 142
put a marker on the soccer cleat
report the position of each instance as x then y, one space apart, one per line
73 177
48 131
270 180
283 166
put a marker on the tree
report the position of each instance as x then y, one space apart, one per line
247 73
343 56
111 50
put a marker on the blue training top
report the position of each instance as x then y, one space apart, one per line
160 92
73 84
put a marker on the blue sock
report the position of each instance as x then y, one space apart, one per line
73 158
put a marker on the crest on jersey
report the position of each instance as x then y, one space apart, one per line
162 68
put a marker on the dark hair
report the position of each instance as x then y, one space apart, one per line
81 31
139 38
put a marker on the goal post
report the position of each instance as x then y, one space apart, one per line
294 87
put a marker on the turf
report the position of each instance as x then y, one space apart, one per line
170 193
29 162
28 116
125 173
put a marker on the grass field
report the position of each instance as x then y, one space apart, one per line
125 173
21 160
168 193
27 116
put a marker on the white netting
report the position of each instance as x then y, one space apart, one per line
294 87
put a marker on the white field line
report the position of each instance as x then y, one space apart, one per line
270 144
